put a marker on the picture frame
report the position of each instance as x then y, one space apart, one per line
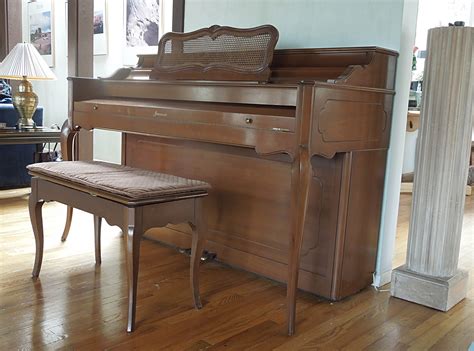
40 17
143 22
144 26
100 27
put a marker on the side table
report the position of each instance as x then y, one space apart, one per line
16 153
10 136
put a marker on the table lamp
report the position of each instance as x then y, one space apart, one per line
22 63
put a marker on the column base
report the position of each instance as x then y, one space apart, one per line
438 293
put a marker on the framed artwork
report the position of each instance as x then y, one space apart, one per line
142 23
145 21
100 28
41 28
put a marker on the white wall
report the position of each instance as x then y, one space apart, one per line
329 23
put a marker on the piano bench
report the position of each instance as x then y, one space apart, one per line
133 199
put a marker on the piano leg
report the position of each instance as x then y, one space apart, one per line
301 175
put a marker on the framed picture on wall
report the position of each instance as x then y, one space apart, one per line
41 28
143 23
100 28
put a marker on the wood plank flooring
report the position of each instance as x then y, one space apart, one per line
78 306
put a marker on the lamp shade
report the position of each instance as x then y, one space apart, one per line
25 60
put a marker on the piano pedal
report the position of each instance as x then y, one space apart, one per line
206 255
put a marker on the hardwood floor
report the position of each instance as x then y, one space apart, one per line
75 305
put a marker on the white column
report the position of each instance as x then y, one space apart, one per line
431 276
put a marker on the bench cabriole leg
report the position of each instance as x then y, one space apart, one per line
67 226
97 231
36 218
69 150
199 228
134 231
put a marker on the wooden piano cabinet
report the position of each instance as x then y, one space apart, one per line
296 165
249 208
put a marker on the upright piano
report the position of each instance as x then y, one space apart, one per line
296 164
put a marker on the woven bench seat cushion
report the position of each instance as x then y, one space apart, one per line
132 183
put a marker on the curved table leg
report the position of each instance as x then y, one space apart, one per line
67 226
97 230
133 230
199 228
68 150
35 206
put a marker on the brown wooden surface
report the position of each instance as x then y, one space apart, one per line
76 305
178 15
29 136
347 119
238 234
369 66
364 207
277 156
3 29
10 26
132 217
230 58
10 29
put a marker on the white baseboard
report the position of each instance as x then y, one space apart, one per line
382 279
